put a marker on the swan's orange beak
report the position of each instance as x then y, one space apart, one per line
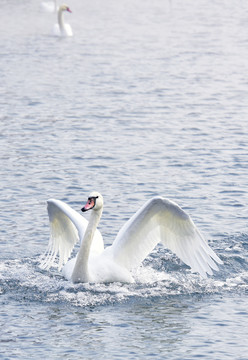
68 9
89 205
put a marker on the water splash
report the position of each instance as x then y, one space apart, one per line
160 276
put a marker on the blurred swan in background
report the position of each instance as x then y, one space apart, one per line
61 28
49 6
159 221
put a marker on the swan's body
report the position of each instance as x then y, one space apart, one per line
159 220
61 28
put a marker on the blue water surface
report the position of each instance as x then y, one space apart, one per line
147 98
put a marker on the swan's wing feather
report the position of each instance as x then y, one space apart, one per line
162 220
63 233
67 227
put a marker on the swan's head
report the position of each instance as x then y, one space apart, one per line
95 202
65 8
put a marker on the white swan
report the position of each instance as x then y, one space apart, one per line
62 29
49 6
159 220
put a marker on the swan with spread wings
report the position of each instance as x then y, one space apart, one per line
159 220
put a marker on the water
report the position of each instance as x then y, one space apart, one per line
147 98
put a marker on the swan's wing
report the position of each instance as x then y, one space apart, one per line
161 220
66 228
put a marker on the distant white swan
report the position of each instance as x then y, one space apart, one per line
159 220
62 29
49 6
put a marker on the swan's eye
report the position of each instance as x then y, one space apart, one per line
93 198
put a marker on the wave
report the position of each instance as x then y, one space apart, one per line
161 275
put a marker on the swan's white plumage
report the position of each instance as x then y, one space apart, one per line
162 220
49 6
65 31
67 227
158 221
61 28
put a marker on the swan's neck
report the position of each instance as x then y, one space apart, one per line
61 20
81 271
